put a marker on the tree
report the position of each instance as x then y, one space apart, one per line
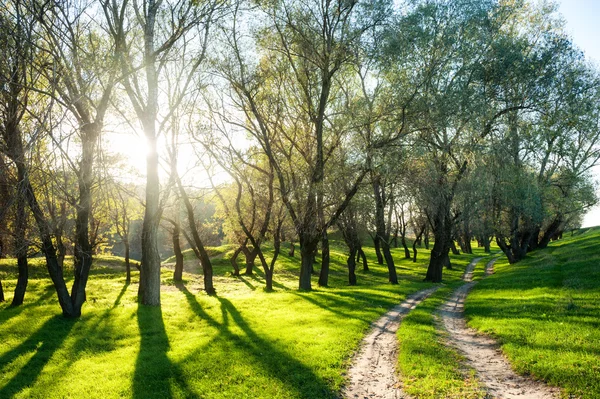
162 26
288 100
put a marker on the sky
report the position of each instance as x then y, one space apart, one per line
583 24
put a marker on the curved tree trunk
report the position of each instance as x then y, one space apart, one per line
377 245
55 271
362 255
233 260
406 250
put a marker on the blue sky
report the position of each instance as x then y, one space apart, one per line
583 24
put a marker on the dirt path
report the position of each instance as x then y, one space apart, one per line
373 370
483 354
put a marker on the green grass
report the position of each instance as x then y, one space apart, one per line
242 343
545 312
188 254
429 368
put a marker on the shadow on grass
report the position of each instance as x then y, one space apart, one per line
44 342
13 311
155 374
278 364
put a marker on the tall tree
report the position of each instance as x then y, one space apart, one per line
147 34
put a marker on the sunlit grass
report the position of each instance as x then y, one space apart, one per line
244 342
545 311
428 367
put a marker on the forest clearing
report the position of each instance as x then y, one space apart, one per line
246 342
298 199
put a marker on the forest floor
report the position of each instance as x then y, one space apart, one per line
544 313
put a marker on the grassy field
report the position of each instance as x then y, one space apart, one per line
545 311
242 343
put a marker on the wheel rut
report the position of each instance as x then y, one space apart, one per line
373 371
483 354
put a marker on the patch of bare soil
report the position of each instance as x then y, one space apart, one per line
483 354
373 371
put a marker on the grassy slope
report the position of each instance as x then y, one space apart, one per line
242 343
545 311
428 367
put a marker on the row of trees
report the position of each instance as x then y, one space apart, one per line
450 118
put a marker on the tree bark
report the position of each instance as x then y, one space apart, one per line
198 246
324 273
127 261
442 231
233 260
382 231
406 250
352 266
550 232
307 254
55 271
377 245
178 273
361 253
20 241
455 250
250 255
292 249
83 248
417 240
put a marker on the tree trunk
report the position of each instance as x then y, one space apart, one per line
307 254
83 248
1 292
324 273
485 239
377 245
418 239
352 266
534 240
550 232
292 249
442 230
149 288
55 271
361 253
382 231
426 239
406 250
233 260
178 273
455 250
506 249
127 262
250 258
61 248
20 241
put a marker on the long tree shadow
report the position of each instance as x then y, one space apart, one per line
12 311
155 374
44 342
279 364
96 331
